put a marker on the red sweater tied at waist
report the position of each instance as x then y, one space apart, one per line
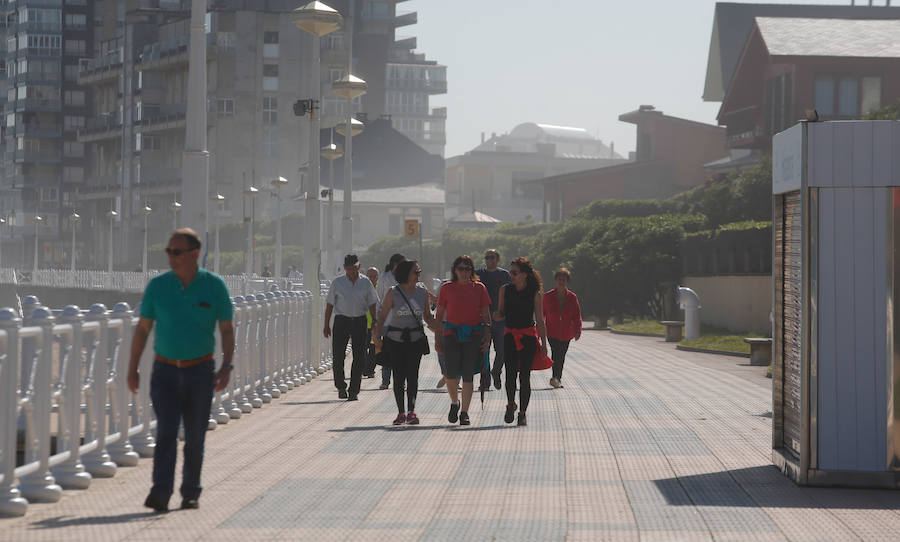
541 361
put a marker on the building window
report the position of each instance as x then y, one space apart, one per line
152 142
74 97
73 149
780 103
73 174
71 123
270 110
394 224
71 72
268 142
76 21
225 107
75 47
847 96
49 194
42 43
270 45
871 94
270 77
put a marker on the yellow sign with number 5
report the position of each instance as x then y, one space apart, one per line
411 227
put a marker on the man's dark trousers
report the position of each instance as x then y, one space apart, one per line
180 395
354 330
497 331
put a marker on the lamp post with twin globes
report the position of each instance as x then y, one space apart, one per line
331 152
74 218
218 201
37 222
146 210
278 183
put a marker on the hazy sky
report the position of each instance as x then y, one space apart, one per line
568 62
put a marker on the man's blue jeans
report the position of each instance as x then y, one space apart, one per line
180 395
497 331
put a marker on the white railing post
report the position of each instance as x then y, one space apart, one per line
285 384
98 462
272 345
307 314
241 360
40 486
121 451
71 474
263 367
141 412
235 387
293 352
11 501
253 338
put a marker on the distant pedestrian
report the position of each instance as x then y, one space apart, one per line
385 282
350 296
185 303
494 277
463 313
266 271
404 339
562 315
369 372
294 275
521 306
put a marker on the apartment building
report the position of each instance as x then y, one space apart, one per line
258 66
44 106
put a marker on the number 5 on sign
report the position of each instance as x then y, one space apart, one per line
412 228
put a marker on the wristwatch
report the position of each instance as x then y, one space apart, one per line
229 366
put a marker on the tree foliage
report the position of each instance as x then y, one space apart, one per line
888 112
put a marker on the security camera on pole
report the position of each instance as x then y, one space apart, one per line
319 20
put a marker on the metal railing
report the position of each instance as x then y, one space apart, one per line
64 394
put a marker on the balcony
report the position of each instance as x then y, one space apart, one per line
107 127
98 70
36 155
157 118
38 104
38 130
405 42
37 27
36 77
431 86
53 52
406 19
742 128
171 54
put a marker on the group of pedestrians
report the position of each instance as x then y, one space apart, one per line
472 310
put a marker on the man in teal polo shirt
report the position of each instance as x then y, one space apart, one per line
185 303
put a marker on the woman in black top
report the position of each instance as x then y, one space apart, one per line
521 305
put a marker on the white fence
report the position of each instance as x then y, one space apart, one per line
65 399
124 281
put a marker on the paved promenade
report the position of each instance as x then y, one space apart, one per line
644 442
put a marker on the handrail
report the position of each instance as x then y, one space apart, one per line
70 367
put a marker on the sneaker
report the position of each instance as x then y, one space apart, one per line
454 413
554 382
464 418
156 503
522 419
353 397
384 385
412 419
400 419
496 377
190 504
441 383
510 413
342 394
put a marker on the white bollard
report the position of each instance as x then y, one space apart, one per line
690 302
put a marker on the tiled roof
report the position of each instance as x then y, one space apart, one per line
830 37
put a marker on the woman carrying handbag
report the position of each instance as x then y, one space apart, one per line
404 339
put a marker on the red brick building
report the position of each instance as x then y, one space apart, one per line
669 157
842 68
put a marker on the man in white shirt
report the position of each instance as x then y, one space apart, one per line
350 296
385 282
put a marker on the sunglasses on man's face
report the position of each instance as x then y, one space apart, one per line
177 251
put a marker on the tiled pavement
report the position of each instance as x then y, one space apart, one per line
644 442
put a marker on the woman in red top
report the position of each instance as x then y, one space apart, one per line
562 313
463 311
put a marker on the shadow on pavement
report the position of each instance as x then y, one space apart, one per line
326 402
60 522
767 487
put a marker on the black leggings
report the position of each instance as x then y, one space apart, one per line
558 351
518 361
405 360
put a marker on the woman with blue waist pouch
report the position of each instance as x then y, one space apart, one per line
463 323
404 339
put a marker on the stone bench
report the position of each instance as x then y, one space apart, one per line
674 330
760 350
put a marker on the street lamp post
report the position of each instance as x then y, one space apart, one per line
218 200
319 20
350 87
37 222
330 152
251 193
278 183
175 206
2 223
146 212
75 217
111 215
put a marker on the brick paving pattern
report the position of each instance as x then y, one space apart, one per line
643 442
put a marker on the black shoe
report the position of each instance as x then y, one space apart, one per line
190 504
496 378
454 413
342 394
510 413
384 385
522 419
464 418
353 397
156 503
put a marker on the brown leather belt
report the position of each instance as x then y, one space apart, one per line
184 363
